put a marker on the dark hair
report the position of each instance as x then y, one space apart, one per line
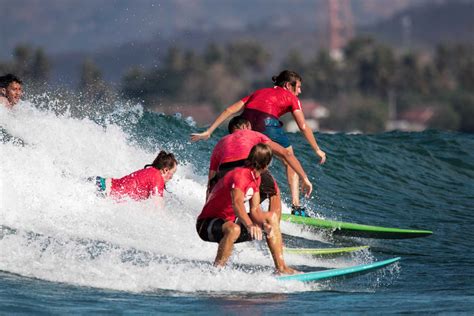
260 156
163 160
286 76
237 122
7 79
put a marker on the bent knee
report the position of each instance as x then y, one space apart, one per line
231 229
274 217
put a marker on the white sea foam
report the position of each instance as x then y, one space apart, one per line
56 229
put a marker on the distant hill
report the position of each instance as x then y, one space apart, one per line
116 60
118 34
86 25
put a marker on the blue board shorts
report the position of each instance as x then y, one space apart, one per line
274 130
267 124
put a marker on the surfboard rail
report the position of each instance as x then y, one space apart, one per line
324 251
357 230
339 272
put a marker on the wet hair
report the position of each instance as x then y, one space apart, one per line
286 76
163 160
7 79
260 156
236 123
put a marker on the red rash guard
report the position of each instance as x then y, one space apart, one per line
139 185
235 146
219 204
275 101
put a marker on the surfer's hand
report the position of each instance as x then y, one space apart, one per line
255 232
200 136
322 155
306 187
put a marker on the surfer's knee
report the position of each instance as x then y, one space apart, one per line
272 218
232 230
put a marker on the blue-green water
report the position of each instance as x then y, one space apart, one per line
64 250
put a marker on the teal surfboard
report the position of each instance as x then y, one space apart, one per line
356 230
341 272
323 251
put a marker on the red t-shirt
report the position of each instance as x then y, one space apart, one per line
219 203
235 146
275 101
139 185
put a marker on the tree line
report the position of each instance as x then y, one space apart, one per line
359 89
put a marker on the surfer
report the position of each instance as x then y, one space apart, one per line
224 219
232 151
11 90
263 109
142 184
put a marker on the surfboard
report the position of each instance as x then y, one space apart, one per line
340 272
356 230
323 251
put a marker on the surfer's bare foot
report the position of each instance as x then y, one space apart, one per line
287 270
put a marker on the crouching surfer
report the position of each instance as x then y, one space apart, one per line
224 219
142 184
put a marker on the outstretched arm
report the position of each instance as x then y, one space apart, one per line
231 110
308 134
294 164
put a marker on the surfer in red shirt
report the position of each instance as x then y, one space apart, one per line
224 219
232 151
142 184
263 109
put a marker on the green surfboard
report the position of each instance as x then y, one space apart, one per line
323 251
341 272
356 230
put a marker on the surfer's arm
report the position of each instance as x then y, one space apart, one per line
158 200
258 216
290 159
156 195
308 134
211 175
231 110
238 204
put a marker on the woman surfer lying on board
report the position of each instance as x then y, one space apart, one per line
142 184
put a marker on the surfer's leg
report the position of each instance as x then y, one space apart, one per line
275 240
293 181
231 232
268 189
275 205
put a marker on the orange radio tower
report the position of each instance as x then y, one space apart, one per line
341 26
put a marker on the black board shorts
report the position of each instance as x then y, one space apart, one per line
210 229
